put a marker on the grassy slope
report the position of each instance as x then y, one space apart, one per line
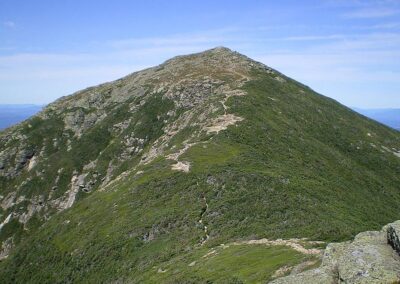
299 165
235 264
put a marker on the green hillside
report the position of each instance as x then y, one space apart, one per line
141 179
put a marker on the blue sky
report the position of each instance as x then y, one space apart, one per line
348 50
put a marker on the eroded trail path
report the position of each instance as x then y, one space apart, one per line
205 228
296 244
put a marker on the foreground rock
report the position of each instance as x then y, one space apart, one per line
393 235
372 257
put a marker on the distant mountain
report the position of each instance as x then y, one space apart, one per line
209 168
13 114
387 116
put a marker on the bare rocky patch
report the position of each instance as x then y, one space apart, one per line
181 166
222 122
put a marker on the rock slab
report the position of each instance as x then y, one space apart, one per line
393 236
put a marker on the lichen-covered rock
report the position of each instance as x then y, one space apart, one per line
393 235
368 259
320 275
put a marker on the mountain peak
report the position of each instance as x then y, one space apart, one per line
217 55
220 49
205 149
216 64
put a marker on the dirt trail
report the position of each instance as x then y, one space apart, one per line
223 121
205 228
296 244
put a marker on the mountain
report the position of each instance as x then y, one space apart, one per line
13 114
387 116
209 168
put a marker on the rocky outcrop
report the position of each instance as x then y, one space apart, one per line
5 248
5 221
36 205
14 159
372 257
8 201
66 201
393 236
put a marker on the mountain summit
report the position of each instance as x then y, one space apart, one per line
181 173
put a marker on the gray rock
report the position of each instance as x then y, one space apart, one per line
6 247
368 259
23 156
8 201
393 235
320 275
35 206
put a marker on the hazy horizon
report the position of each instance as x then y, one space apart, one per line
11 114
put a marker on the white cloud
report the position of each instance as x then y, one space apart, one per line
209 38
350 57
328 60
372 13
52 75
387 26
313 37
347 67
9 24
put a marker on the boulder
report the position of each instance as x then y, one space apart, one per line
372 257
320 275
393 235
368 259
